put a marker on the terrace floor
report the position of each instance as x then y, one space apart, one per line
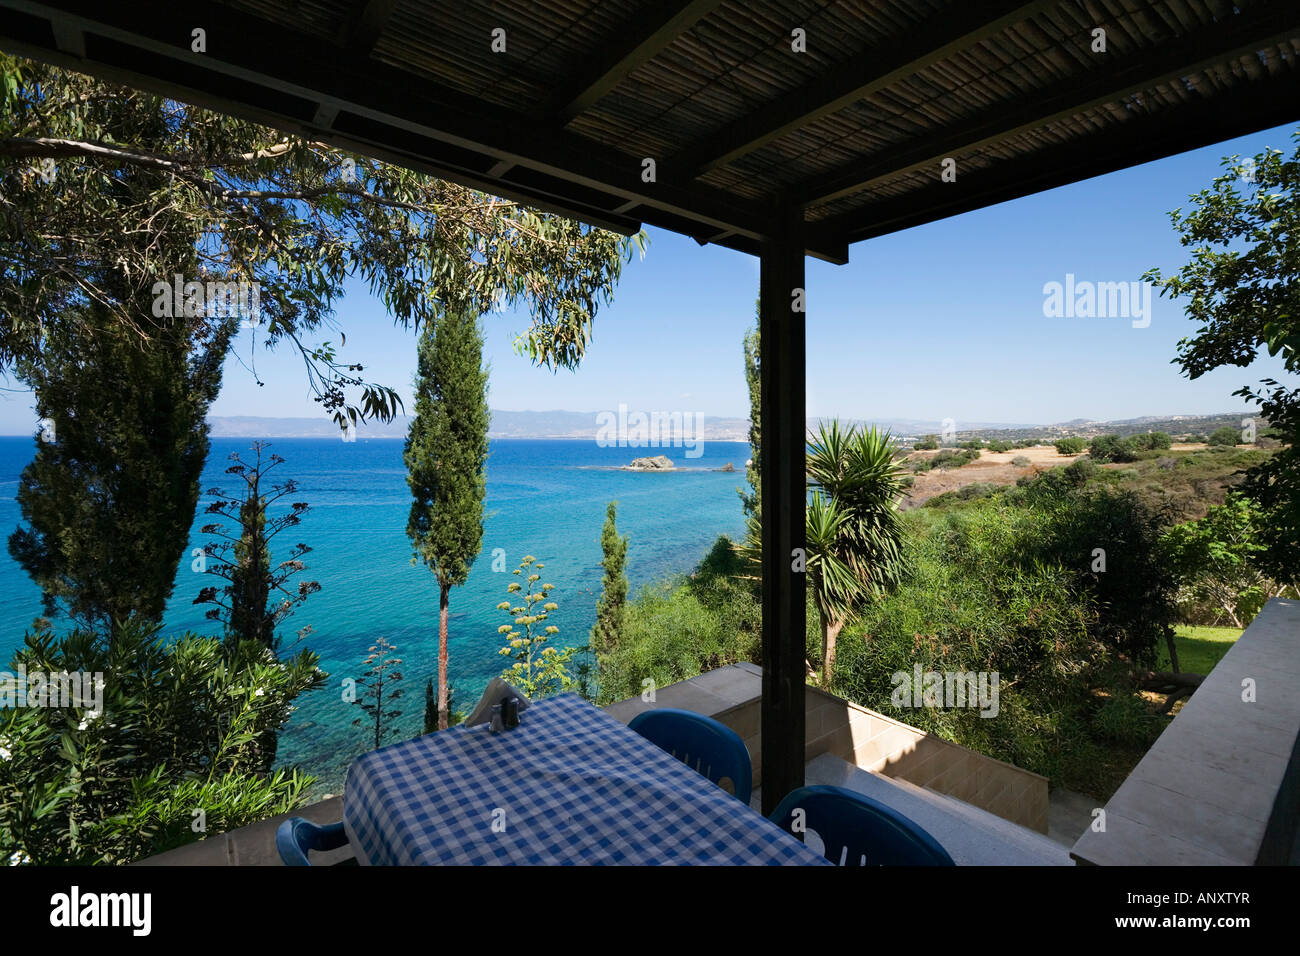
848 746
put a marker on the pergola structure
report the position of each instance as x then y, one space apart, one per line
782 128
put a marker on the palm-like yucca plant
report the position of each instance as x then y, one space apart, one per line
854 536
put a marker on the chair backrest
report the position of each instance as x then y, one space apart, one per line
856 830
700 742
295 836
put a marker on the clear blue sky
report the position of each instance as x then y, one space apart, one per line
944 320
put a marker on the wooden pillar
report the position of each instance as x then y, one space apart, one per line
782 468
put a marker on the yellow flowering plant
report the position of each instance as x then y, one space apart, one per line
537 670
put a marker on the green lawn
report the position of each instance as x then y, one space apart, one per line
1200 648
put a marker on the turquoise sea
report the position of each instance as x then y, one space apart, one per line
545 498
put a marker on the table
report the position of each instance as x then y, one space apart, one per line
569 785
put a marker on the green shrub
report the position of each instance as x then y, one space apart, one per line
1150 441
1227 435
1079 471
1128 719
998 445
1070 446
950 458
972 602
1020 461
184 725
978 489
1106 448
676 630
926 443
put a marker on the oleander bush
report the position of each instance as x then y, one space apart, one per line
171 756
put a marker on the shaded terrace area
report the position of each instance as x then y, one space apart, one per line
780 128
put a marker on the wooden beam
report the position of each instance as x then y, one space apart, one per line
69 39
638 41
783 492
1245 33
966 24
361 32
1261 104
287 80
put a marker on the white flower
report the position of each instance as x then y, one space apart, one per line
5 752
19 858
259 693
90 716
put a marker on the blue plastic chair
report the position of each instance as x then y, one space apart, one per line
295 836
701 743
858 831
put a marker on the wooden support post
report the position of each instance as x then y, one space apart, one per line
782 469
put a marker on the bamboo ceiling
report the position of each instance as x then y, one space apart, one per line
741 119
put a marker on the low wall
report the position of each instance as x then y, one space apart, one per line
872 741
1221 785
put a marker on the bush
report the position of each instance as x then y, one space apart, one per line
1000 446
1020 461
926 443
972 602
678 629
1150 441
1080 471
978 489
1106 448
973 444
948 458
1070 446
1128 719
184 724
1027 443
1112 540
1227 435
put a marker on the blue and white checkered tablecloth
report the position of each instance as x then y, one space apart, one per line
569 785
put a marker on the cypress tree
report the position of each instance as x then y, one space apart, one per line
108 500
751 500
611 608
446 457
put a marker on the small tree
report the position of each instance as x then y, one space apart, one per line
1241 288
378 677
1215 560
446 454
537 670
1106 448
611 608
853 531
1071 446
256 600
926 443
1227 435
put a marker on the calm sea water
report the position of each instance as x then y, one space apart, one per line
545 498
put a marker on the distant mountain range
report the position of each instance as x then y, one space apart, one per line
585 425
